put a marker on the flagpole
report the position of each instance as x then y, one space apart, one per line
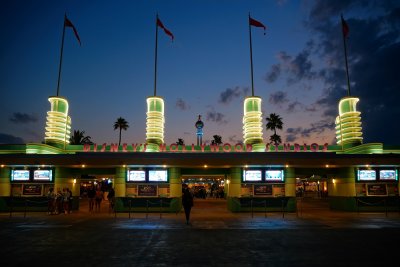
61 56
345 58
251 60
155 59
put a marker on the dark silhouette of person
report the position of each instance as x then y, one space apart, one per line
187 202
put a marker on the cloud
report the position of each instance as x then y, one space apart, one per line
181 104
18 117
233 139
292 134
10 139
297 68
292 106
273 74
216 117
230 94
278 98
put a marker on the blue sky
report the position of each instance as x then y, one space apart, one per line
298 66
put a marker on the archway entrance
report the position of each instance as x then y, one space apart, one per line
209 193
205 186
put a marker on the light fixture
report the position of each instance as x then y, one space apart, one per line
205 166
83 165
2 165
124 166
327 166
287 165
74 181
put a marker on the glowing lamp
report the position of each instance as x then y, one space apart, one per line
252 123
58 125
348 123
154 123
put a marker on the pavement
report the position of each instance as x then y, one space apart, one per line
313 236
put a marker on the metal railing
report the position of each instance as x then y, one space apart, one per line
252 203
26 203
372 204
160 203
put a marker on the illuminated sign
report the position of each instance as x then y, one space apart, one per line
388 175
366 175
158 176
274 175
252 176
20 175
136 176
43 175
225 148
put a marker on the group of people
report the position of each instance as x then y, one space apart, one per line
96 196
59 202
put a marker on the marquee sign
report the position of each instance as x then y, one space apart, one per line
227 147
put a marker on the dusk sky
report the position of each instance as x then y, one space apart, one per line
299 68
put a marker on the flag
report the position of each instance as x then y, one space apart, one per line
68 23
256 23
345 28
161 25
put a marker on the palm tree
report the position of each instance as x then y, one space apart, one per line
217 140
120 124
274 122
180 142
79 138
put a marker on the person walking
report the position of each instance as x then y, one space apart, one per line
111 199
98 198
187 202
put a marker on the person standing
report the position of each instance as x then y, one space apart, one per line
187 202
66 197
51 201
91 194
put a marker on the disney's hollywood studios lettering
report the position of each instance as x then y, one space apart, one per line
225 148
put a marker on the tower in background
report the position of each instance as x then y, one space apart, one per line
199 126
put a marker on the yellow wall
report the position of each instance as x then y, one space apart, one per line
343 184
290 182
175 182
235 185
120 182
5 184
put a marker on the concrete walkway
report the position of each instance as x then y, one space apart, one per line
216 237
